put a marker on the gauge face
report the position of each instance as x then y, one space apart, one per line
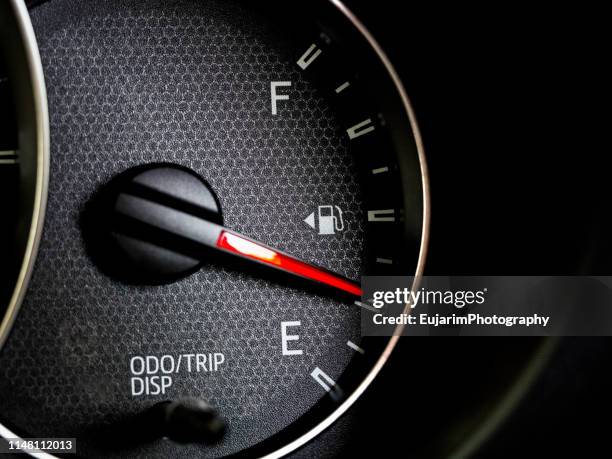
289 123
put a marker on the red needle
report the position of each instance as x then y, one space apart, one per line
240 245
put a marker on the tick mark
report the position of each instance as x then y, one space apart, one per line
365 306
342 87
8 157
355 347
384 261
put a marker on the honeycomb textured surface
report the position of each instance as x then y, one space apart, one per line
133 82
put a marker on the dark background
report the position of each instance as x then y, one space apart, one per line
511 108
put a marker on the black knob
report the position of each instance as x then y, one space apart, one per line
188 420
137 228
191 420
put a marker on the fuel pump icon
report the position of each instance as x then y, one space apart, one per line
329 219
